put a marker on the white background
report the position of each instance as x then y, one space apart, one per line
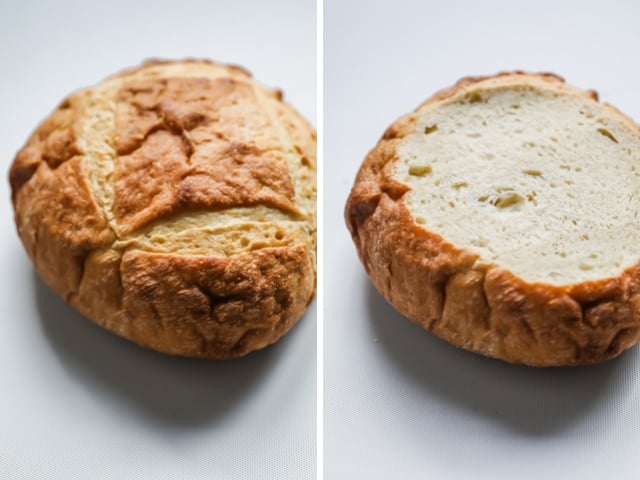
77 402
400 403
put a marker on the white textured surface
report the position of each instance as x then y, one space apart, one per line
399 403
524 179
77 402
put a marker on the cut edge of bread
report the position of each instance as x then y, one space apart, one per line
522 170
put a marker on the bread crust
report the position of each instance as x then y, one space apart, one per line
482 308
150 147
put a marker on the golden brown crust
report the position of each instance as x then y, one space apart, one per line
487 309
187 122
159 144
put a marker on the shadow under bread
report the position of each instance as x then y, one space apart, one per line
535 401
171 391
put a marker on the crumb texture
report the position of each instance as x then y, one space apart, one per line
132 194
537 181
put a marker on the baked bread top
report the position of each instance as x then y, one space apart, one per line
174 204
502 215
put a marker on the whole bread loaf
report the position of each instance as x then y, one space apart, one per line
174 204
502 215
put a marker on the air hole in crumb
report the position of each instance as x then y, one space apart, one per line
420 170
279 235
459 185
420 220
244 242
508 200
475 97
608 134
479 242
515 106
586 266
430 129
532 172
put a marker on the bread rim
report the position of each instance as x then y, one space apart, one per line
486 309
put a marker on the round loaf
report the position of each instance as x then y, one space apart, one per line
174 204
502 215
